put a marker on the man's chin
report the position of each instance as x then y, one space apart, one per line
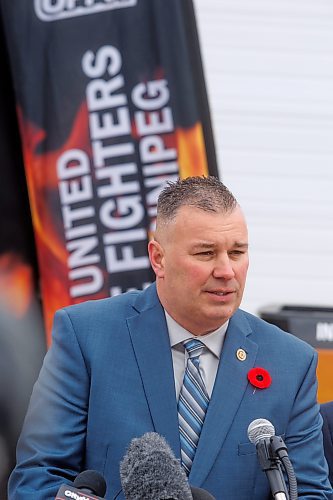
214 321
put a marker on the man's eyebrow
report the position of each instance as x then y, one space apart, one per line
240 244
203 244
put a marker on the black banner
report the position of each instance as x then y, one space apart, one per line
112 104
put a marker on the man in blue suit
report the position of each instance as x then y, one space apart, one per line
116 367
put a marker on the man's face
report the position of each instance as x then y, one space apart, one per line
201 261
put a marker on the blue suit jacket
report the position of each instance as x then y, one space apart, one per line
108 378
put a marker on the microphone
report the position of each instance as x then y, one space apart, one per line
151 471
200 494
260 432
91 481
88 485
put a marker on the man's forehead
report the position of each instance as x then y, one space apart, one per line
192 218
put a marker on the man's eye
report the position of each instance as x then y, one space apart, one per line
208 252
236 252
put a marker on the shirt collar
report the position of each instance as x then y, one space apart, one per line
213 341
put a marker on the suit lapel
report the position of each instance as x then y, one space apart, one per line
229 388
151 345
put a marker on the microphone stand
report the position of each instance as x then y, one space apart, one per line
279 449
271 465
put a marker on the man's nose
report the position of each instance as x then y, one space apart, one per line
223 268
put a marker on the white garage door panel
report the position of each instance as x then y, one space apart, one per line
269 75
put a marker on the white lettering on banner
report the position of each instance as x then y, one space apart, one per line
109 118
75 496
75 187
53 10
324 332
117 186
104 198
128 261
153 119
93 281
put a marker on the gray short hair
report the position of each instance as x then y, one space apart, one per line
207 193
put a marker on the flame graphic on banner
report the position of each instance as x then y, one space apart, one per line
42 180
16 284
42 183
191 152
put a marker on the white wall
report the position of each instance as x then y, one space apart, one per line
269 75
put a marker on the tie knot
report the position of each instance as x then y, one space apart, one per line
194 348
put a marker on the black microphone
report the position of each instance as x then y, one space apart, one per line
88 485
150 471
260 432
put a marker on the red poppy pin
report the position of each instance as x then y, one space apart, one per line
259 378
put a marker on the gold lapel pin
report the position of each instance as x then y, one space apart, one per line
241 355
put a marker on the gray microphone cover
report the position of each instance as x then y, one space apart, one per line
151 471
260 429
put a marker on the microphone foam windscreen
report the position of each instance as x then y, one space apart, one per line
151 471
92 481
260 429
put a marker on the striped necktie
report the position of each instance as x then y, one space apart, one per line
192 404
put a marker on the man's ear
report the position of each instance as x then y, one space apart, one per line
156 256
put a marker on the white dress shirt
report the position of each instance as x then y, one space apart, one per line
209 359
